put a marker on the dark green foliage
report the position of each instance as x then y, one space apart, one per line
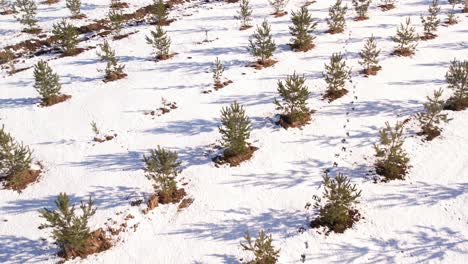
15 158
392 161
245 13
46 81
294 94
67 36
74 6
336 74
369 55
217 72
160 42
162 168
235 130
278 6
361 7
116 19
159 12
261 43
433 116
431 22
113 69
336 206
263 249
336 21
301 30
457 79
70 231
27 10
406 38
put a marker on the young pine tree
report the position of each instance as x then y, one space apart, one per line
451 17
69 230
457 79
75 7
235 130
263 249
392 160
361 7
278 6
114 70
27 10
15 158
433 116
369 57
218 70
294 94
116 19
336 74
262 45
162 167
406 39
336 21
67 37
6 6
160 42
337 205
431 22
245 14
301 30
159 12
46 82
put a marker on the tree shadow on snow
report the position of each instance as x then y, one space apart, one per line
18 250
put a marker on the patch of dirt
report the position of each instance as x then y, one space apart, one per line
245 27
73 52
152 203
98 242
119 5
308 3
184 204
302 49
7 12
33 31
354 216
55 100
286 122
165 57
429 134
454 104
333 95
279 14
396 172
106 138
450 22
220 85
371 71
386 7
403 52
361 18
50 2
428 36
334 31
20 181
80 16
235 160
166 22
114 76
258 65
176 197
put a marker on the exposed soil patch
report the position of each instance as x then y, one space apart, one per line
308 3
361 18
98 242
33 31
258 65
164 109
7 12
20 181
279 14
354 216
166 22
304 48
371 71
105 138
386 7
114 76
220 85
235 160
403 52
74 52
335 94
184 204
396 172
453 104
286 122
176 197
119 5
55 100
428 36
50 2
334 31
245 27
80 16
429 134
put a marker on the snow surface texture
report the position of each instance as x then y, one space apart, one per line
423 219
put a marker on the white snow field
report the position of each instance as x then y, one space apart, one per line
423 219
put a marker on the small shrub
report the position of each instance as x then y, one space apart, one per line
114 71
116 19
9 57
7 7
336 74
67 37
245 14
27 10
336 21
262 45
361 7
431 22
235 130
70 231
451 17
301 30
433 116
162 167
294 94
159 12
457 79
46 82
218 70
392 161
336 208
94 128
406 38
263 250
15 158
278 6
369 57
386 5
75 7
160 42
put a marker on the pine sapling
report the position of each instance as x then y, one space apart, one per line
245 14
336 207
162 167
117 4
451 17
15 159
67 37
218 70
406 39
94 128
278 7
160 43
6 7
302 29
431 22
262 45
159 12
235 130
386 5
263 250
9 57
457 79
336 74
114 70
116 19
336 20
27 10
69 230
392 160
294 94
433 116
47 83
361 7
370 57
75 8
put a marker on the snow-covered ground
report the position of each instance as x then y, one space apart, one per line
423 219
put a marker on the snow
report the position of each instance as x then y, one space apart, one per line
423 219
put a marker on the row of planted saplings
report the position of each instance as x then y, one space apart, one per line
336 208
